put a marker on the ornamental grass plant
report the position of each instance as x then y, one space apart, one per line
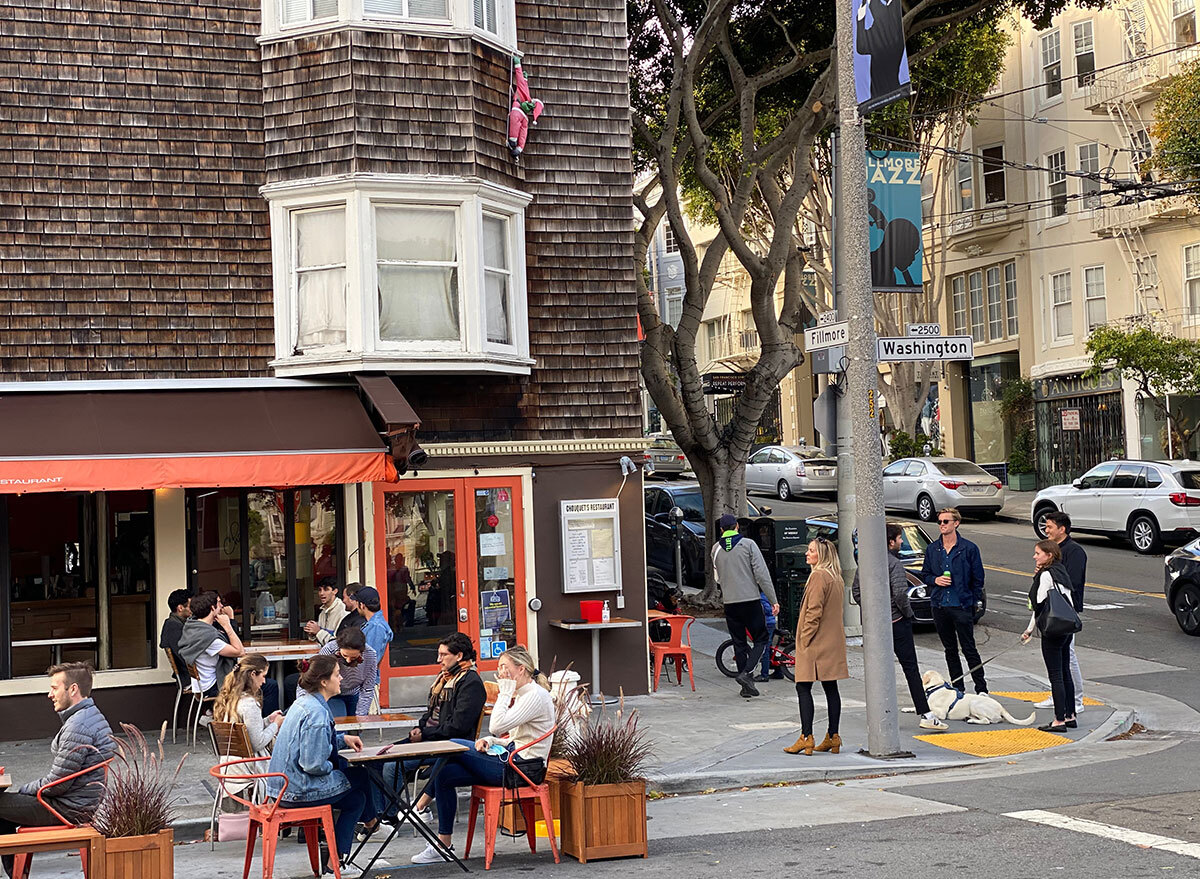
609 748
139 796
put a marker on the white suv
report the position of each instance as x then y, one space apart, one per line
1146 501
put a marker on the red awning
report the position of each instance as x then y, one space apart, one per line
188 438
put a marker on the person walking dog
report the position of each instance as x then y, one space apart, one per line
953 571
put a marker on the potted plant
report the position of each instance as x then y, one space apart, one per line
1016 408
1021 475
138 809
609 756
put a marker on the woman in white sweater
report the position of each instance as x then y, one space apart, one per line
523 713
240 701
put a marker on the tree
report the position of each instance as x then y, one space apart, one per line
1159 364
1176 127
733 98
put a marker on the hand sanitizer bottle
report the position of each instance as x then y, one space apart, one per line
605 615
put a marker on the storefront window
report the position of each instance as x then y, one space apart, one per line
990 436
215 544
497 570
318 555
268 564
1152 428
81 580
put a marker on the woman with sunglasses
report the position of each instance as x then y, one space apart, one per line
820 647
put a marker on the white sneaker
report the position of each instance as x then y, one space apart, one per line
1048 702
1079 708
347 869
931 721
429 856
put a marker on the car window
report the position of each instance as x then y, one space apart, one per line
761 456
1153 478
1097 477
895 469
1188 478
913 542
915 468
961 468
657 501
778 456
828 530
1127 476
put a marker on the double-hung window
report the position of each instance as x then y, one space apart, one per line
418 10
993 175
966 183
303 11
1060 306
497 279
1056 183
1183 15
1191 279
1085 54
674 305
975 285
995 304
1051 65
417 259
1089 163
1095 309
492 21
318 278
1010 297
958 297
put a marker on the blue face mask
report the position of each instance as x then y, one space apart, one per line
496 749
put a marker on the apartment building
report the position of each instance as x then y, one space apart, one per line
1038 256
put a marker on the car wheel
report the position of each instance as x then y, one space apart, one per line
1039 521
1186 607
783 491
1143 534
926 512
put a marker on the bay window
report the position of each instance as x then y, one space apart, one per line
417 252
319 278
492 20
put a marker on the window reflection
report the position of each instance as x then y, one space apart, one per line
422 574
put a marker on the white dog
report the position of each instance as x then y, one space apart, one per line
951 704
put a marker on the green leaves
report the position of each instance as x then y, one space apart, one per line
1159 362
1176 128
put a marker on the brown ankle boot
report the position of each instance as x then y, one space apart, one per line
831 743
804 743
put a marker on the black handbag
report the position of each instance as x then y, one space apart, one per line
534 768
1057 617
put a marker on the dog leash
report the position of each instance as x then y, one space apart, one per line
962 680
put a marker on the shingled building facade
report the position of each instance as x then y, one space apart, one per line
278 309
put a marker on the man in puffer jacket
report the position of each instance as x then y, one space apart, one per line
85 740
743 574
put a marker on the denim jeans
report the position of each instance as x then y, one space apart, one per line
461 770
348 807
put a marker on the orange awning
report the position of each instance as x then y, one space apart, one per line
193 438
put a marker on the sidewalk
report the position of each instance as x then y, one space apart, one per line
1018 506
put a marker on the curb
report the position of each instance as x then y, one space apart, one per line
706 781
1012 518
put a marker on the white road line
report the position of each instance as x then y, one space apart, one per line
1109 831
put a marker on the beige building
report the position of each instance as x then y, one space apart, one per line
1037 256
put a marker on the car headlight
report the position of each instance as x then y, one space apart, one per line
918 592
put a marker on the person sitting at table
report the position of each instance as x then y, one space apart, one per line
359 667
240 701
210 642
84 740
172 627
306 751
332 611
353 618
524 711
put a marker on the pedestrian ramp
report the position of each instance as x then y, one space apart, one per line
1038 696
995 742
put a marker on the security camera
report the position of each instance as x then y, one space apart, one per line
417 457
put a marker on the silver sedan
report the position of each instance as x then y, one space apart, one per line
926 485
790 470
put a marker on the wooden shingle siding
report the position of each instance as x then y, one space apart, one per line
133 241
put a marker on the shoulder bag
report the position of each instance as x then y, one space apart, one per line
1057 616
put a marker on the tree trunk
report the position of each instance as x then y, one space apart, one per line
722 480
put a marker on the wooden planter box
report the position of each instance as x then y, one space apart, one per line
141 857
511 818
604 820
1022 481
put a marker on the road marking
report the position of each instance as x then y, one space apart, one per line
1089 585
1087 606
1109 831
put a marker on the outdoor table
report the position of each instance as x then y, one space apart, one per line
56 645
5 782
654 614
277 652
596 629
373 760
352 723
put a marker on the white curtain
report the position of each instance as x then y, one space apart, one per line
320 278
495 262
417 301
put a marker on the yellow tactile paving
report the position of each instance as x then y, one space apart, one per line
1038 696
996 742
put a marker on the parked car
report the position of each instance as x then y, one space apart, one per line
790 470
926 485
912 551
1182 586
1148 502
665 456
660 498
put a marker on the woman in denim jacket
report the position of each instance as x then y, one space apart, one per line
306 752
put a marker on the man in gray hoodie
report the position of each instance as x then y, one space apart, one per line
84 740
743 574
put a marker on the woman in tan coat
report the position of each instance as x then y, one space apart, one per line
820 646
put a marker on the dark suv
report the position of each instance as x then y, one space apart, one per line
660 533
1182 586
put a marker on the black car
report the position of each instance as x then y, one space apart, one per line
1182 586
660 532
912 552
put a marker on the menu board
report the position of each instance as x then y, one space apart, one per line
591 545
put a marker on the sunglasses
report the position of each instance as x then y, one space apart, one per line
820 540
946 521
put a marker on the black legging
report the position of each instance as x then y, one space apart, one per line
833 700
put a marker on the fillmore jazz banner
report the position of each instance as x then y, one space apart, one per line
894 209
880 59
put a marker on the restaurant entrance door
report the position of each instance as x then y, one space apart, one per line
451 558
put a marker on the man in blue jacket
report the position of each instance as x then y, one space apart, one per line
953 572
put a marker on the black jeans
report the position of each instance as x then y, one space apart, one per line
956 626
743 617
833 701
21 810
1057 654
906 653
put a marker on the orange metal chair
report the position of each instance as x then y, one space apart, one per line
493 799
679 647
269 818
22 862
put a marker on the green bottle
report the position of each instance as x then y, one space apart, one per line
946 573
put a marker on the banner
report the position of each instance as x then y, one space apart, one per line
880 58
894 211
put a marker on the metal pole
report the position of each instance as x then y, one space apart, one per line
857 307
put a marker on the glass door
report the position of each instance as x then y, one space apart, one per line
499 575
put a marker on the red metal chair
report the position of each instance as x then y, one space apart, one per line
493 799
679 647
22 862
272 818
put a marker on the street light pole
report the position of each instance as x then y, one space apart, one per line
857 307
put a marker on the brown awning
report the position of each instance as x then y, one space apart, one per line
211 438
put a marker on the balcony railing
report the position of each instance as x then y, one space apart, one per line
1106 220
1141 77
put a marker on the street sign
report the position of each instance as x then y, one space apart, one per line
827 317
826 336
892 348
923 330
723 382
1070 419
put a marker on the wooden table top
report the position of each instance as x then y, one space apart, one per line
408 749
613 623
5 782
373 721
290 650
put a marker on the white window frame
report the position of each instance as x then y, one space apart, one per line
362 196
1083 44
308 21
1094 296
965 183
1056 186
1181 10
1060 308
294 272
958 304
1050 47
672 297
993 169
459 21
1012 324
670 245
1089 162
1190 268
993 300
976 307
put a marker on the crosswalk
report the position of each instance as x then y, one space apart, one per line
1108 831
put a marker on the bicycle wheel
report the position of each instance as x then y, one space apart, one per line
727 660
786 657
